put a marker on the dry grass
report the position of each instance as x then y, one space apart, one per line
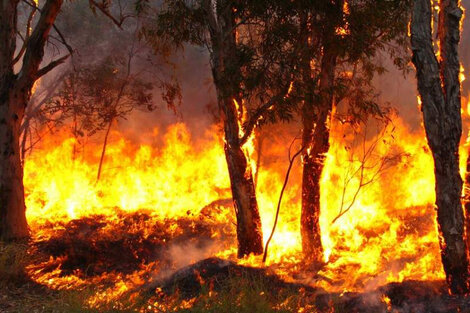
19 294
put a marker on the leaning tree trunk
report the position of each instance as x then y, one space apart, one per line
439 88
15 92
226 74
315 141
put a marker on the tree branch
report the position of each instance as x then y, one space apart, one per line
104 9
35 45
61 36
62 39
255 118
27 34
49 67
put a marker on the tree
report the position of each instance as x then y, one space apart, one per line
222 28
15 91
93 97
336 67
251 74
112 74
439 89
20 68
315 136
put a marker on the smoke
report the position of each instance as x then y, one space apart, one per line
93 37
187 253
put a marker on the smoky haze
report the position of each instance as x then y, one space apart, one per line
95 37
396 89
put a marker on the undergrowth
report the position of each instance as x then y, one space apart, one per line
238 294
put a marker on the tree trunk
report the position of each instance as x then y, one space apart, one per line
315 140
467 203
12 206
15 92
13 223
103 151
259 149
226 73
249 235
439 87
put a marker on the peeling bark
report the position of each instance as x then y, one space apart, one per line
439 88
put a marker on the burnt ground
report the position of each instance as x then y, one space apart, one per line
405 297
94 247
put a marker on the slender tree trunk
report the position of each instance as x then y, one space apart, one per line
24 139
439 87
226 74
103 151
260 139
75 126
315 139
249 235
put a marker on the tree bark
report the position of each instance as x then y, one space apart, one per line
467 205
15 92
13 223
315 140
439 88
12 206
226 75
259 150
249 235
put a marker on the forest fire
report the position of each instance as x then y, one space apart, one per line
372 235
234 156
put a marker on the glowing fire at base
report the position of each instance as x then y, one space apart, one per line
384 231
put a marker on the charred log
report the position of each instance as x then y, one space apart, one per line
189 280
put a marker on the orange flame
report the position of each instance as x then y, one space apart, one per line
387 232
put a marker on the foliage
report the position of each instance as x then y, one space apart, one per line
86 93
94 95
276 39
358 33
259 69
